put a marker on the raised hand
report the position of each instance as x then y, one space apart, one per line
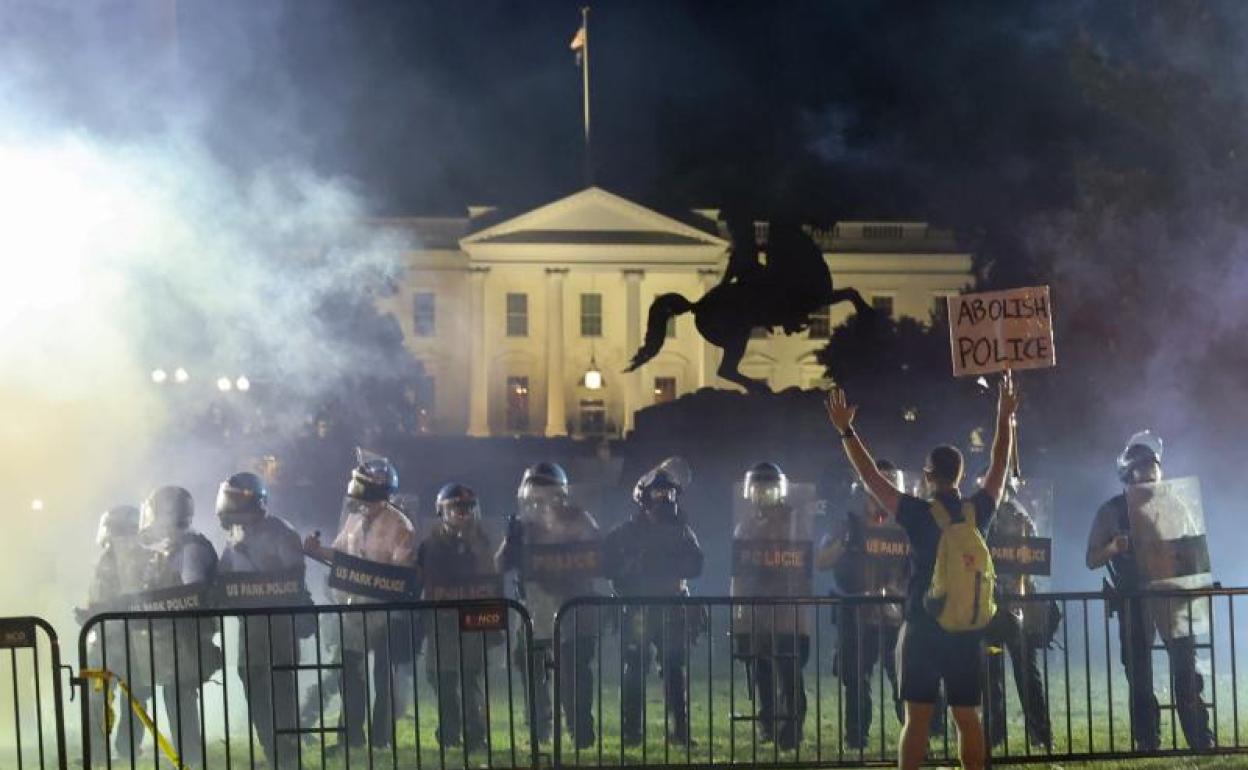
1007 396
839 412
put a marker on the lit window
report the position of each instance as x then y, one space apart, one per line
517 315
664 389
517 403
591 315
593 417
423 314
883 304
670 331
820 324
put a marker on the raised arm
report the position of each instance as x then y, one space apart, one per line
842 416
1003 441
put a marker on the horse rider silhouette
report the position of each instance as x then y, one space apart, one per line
783 292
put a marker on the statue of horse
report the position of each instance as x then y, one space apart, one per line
794 283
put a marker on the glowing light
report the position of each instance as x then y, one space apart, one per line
181 375
224 384
36 504
159 376
592 379
911 414
242 384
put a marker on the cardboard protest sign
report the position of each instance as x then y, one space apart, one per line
999 330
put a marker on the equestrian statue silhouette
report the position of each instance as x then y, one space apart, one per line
781 291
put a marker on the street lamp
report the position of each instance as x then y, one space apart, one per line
242 384
180 375
159 376
224 384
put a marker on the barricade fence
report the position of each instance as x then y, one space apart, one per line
813 681
689 682
429 684
32 726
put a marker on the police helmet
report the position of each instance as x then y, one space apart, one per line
118 521
765 484
168 508
541 481
373 479
242 499
457 504
664 482
1144 448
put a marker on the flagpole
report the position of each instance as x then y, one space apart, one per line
589 168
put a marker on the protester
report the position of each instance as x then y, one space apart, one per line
929 654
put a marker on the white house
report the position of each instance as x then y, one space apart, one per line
508 313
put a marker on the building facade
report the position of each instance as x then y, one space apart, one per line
515 317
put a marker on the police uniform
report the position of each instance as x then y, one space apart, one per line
185 654
456 565
270 545
377 532
1019 628
774 639
532 548
866 633
654 556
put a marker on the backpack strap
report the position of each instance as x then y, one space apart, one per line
968 512
941 514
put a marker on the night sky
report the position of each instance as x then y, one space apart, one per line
959 112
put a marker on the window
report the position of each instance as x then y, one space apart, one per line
664 389
517 315
882 232
883 304
423 314
670 331
940 310
820 324
517 403
593 417
591 315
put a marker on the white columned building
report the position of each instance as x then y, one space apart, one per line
508 310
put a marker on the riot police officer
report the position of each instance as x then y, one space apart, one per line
262 566
772 558
868 559
375 538
553 546
1021 628
1110 545
185 654
120 574
654 553
456 563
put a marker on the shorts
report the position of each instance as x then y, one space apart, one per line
928 655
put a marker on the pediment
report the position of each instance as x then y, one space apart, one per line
595 217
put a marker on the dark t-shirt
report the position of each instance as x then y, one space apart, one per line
915 517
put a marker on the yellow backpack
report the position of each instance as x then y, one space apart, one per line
961 595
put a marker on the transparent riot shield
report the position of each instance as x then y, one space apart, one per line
560 556
1021 541
1168 537
772 552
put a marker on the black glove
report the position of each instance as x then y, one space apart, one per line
515 530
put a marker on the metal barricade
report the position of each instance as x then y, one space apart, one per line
33 733
812 681
413 685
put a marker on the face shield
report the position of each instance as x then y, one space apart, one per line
766 492
459 515
539 501
1140 460
237 507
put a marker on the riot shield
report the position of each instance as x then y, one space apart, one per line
1021 538
370 563
560 556
772 551
1168 537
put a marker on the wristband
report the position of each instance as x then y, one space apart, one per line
848 433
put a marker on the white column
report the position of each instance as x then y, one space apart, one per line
556 405
478 381
706 358
632 340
